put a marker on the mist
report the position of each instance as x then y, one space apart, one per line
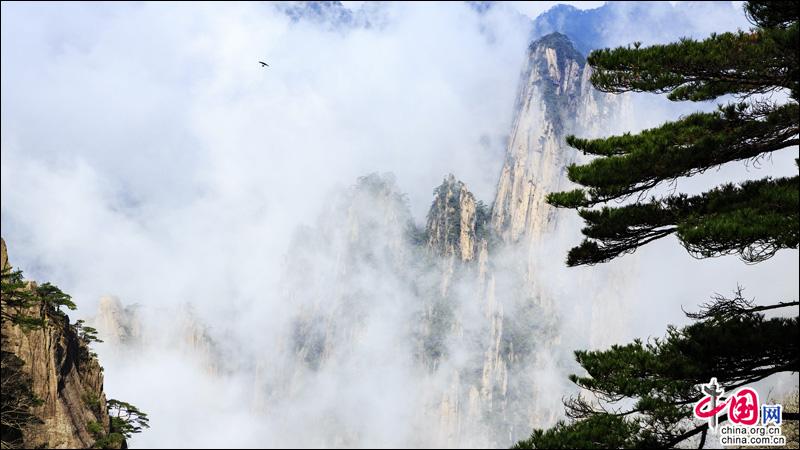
146 155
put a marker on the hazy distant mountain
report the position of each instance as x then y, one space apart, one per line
649 21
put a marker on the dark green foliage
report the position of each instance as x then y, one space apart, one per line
87 334
17 300
744 63
635 163
92 401
771 14
32 307
17 401
25 305
483 216
111 440
54 297
103 440
642 393
755 219
94 428
600 431
126 420
737 350
19 297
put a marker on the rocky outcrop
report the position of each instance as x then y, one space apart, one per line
555 99
3 255
481 323
131 328
457 223
64 375
518 330
117 324
363 236
460 306
194 338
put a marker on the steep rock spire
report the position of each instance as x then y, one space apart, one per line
456 221
555 98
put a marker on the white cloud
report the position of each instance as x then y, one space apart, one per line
146 153
169 112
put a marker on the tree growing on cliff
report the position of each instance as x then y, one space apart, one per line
27 307
17 398
17 299
54 297
640 394
86 333
17 401
753 219
126 420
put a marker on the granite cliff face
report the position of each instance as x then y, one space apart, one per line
117 324
518 328
555 99
477 324
456 223
64 375
449 328
129 329
331 271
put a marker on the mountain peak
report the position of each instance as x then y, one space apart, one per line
561 43
456 221
553 38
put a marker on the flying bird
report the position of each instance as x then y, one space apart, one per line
263 64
